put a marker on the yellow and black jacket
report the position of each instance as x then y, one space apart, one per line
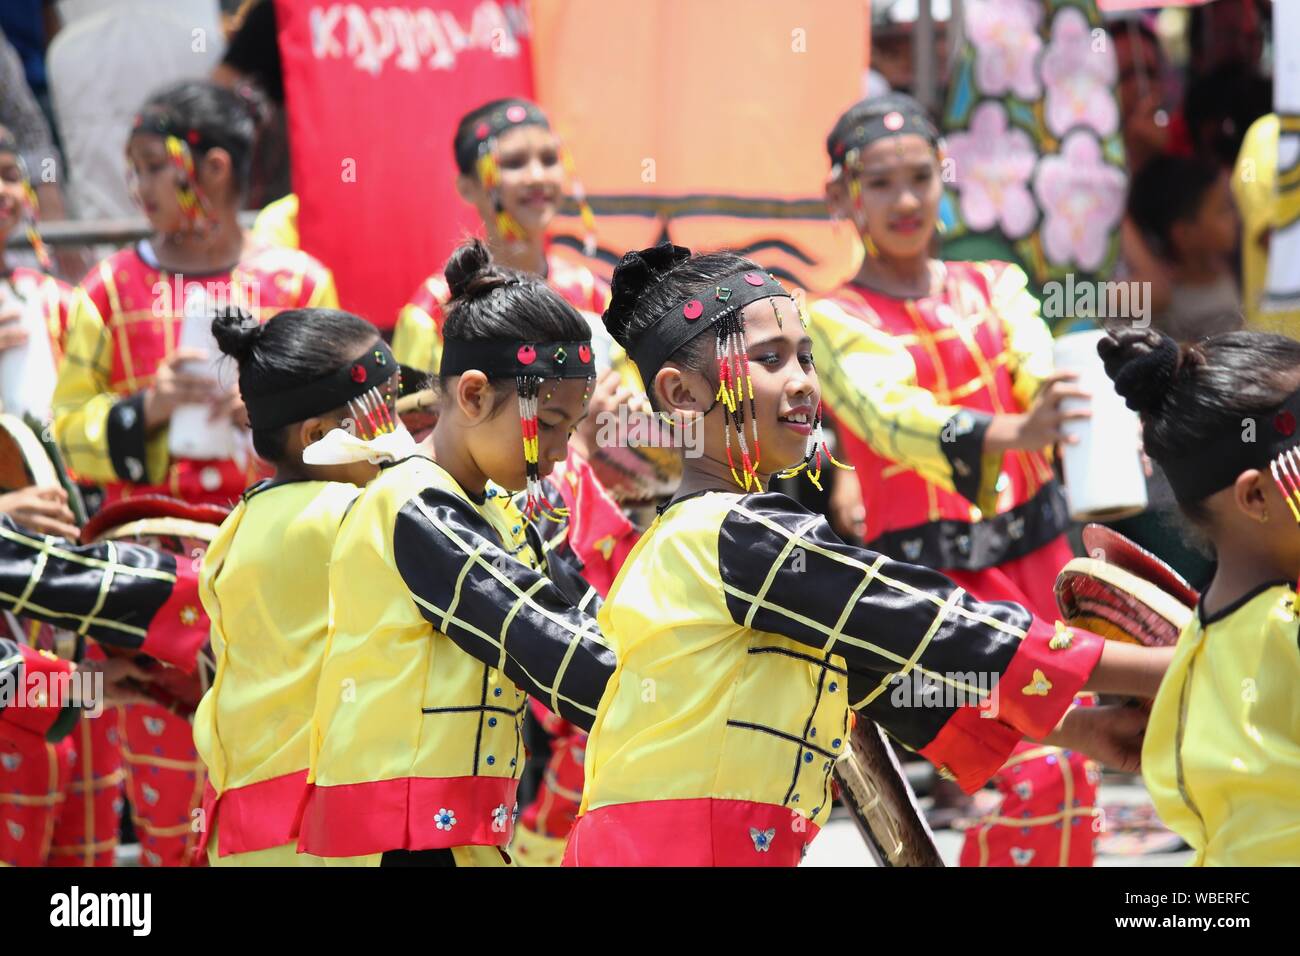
441 622
122 595
1221 756
265 583
746 633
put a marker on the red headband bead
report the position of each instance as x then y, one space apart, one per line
516 114
893 121
482 130
584 353
527 355
193 137
753 278
358 374
1284 423
693 310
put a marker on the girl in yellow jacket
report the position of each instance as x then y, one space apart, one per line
746 632
1222 751
441 616
312 379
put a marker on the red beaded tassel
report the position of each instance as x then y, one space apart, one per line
733 391
194 205
535 501
811 466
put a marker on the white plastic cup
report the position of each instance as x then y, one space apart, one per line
1104 478
27 372
191 432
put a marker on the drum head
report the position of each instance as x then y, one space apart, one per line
1106 544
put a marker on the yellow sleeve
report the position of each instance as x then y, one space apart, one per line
416 341
1029 340
868 382
100 433
277 223
324 295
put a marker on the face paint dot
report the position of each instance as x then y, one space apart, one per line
516 114
693 310
527 355
893 121
753 278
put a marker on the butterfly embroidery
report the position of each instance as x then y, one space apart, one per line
15 829
1038 687
154 725
1021 857
150 794
11 762
762 838
1024 790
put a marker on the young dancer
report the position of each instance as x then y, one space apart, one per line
124 373
946 405
1222 750
311 378
747 634
441 616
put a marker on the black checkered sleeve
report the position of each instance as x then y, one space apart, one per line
498 609
785 571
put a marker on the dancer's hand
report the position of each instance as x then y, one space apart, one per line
12 333
41 509
173 385
1043 424
1110 735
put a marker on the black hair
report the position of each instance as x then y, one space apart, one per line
489 301
1168 190
649 282
222 117
1190 394
1220 106
875 108
295 347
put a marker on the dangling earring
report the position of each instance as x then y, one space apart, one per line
31 213
869 245
194 205
489 176
811 465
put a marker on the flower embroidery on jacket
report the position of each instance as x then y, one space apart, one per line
445 819
762 838
1021 857
499 817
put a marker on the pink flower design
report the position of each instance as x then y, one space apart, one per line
1006 40
1082 197
1080 80
993 166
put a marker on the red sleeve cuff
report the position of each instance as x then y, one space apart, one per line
180 628
38 700
1050 666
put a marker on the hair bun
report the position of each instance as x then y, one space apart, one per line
237 332
636 272
1143 364
472 272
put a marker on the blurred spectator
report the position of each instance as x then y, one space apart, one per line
110 56
1220 106
1151 125
1184 210
253 58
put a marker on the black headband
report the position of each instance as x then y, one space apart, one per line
688 319
349 381
902 121
510 358
161 124
505 115
1252 443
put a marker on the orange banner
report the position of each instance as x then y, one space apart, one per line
704 122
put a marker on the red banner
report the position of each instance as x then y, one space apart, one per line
374 91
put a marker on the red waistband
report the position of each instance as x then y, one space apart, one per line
254 817
695 832
407 813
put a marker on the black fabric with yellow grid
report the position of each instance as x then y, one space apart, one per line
111 591
785 571
538 629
